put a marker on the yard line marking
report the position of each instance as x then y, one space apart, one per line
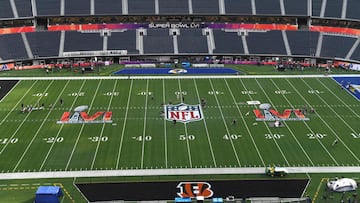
102 128
206 128
57 135
17 104
287 126
124 125
37 132
82 127
144 128
331 129
267 127
246 125
327 151
342 101
165 131
226 127
186 130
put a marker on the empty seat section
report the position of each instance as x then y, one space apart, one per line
205 6
5 9
108 7
352 11
48 7
227 42
356 54
41 47
238 7
192 41
333 8
270 42
77 7
316 7
141 6
266 7
302 43
298 8
173 6
12 47
77 41
158 41
123 41
23 8
336 46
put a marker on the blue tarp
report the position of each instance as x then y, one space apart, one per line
48 194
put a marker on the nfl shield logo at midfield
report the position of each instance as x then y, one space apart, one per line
183 113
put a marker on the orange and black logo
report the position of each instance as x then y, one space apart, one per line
194 189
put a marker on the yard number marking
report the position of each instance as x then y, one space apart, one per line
8 140
76 94
215 92
53 139
231 137
141 138
111 94
144 93
316 135
40 94
248 92
281 92
315 92
186 137
273 136
97 139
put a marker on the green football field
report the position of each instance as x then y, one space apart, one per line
140 138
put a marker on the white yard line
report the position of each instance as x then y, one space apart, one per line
267 127
103 127
82 127
206 128
331 129
144 124
58 133
308 103
245 124
226 127
37 132
287 126
124 125
165 131
186 130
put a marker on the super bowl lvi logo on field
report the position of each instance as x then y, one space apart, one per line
183 113
81 116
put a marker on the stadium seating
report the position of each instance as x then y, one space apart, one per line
12 47
238 7
48 7
266 43
173 7
352 11
192 41
23 8
268 7
336 46
356 55
78 7
6 10
227 42
302 43
41 47
205 6
77 41
158 41
125 40
108 7
316 7
333 8
296 8
141 7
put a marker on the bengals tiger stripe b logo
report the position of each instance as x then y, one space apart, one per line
194 189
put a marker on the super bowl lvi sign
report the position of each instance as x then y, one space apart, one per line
81 116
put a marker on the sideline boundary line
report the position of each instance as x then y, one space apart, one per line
178 171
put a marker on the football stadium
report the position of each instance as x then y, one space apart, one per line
179 101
